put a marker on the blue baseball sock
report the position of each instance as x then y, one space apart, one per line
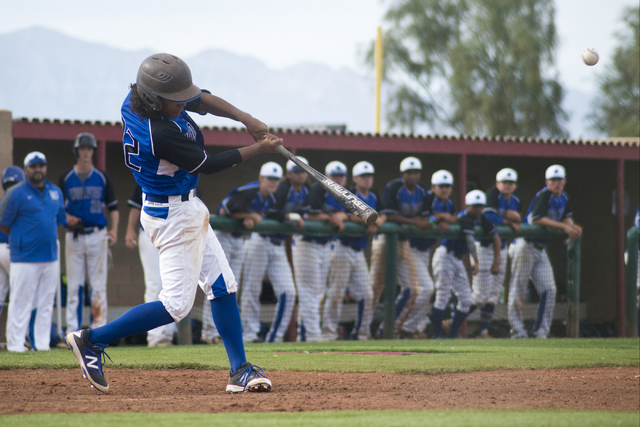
226 317
456 322
436 318
139 319
486 313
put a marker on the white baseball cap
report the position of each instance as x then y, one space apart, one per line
507 174
335 168
35 157
555 171
271 170
442 177
292 167
362 168
475 197
410 163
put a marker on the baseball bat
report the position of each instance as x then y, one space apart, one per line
341 194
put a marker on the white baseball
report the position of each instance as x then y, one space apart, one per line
590 56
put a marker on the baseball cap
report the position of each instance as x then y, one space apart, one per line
12 174
410 163
292 167
271 170
335 168
507 174
362 168
555 171
35 157
442 177
475 197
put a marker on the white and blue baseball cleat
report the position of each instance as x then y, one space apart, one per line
248 378
90 358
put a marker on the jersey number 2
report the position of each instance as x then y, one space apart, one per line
131 149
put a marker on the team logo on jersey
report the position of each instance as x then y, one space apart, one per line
54 195
191 132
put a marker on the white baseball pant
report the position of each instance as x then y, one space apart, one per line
33 286
450 276
262 256
5 268
233 249
486 286
417 320
189 254
86 253
529 262
311 263
347 268
152 286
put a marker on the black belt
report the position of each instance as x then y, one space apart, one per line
313 240
154 198
538 246
87 230
355 248
275 241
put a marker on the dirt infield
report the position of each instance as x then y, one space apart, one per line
53 391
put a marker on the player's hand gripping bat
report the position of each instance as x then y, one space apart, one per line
341 194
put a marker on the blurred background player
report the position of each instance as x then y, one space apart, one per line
503 208
30 213
262 254
10 177
87 193
451 262
529 260
311 255
163 335
348 266
442 211
403 203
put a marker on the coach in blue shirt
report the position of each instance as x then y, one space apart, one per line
31 212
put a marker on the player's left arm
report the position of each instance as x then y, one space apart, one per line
211 104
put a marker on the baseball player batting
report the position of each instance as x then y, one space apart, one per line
164 149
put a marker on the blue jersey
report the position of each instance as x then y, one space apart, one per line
399 200
545 204
496 208
432 206
247 199
467 222
33 216
4 238
320 201
287 200
636 219
373 201
87 200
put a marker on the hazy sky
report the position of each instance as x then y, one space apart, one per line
285 32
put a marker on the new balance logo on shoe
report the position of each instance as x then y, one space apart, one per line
93 363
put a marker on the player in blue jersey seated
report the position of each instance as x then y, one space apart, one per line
30 213
311 255
88 193
10 177
503 208
451 262
348 266
550 207
164 148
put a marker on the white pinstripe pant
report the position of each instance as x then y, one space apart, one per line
486 286
450 276
417 320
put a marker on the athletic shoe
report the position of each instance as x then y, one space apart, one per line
248 378
90 357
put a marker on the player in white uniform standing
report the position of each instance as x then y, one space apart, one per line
163 335
164 148
87 192
10 177
529 260
348 266
503 208
311 255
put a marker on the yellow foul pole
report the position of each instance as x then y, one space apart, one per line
378 66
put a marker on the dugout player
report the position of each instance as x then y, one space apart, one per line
311 255
163 335
164 148
442 210
87 193
348 266
549 208
503 208
10 177
31 212
402 203
451 261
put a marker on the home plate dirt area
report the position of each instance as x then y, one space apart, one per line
179 390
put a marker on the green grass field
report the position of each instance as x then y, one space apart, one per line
445 356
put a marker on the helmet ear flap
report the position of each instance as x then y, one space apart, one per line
150 99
